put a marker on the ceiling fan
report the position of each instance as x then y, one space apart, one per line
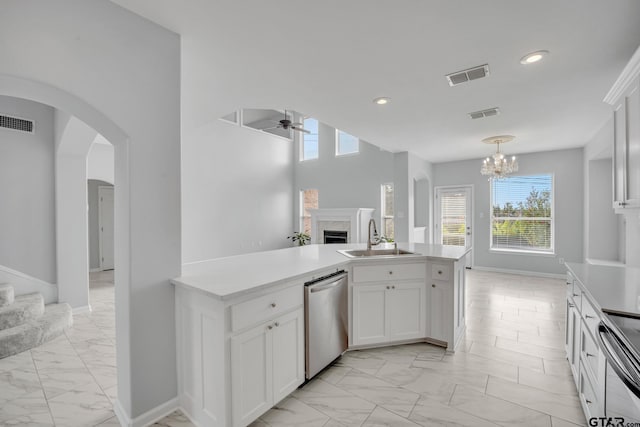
287 124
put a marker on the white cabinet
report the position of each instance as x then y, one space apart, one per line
267 363
395 302
624 97
388 312
238 358
586 360
447 302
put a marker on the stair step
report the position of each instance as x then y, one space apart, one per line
53 322
6 294
25 308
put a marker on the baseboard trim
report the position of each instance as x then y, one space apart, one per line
82 309
520 272
149 417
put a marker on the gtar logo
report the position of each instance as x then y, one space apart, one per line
606 422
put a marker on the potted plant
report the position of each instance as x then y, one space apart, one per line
300 237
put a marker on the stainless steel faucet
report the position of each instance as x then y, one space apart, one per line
376 239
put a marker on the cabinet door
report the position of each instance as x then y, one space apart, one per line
288 354
572 339
441 312
619 147
633 147
369 314
406 308
251 374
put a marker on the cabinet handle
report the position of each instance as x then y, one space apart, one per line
622 203
269 327
390 272
590 355
277 324
589 317
388 287
571 305
273 305
569 283
576 295
433 285
439 271
393 287
588 401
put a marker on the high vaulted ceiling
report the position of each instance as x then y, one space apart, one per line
331 58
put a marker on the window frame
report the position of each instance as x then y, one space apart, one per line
383 209
552 250
301 143
352 153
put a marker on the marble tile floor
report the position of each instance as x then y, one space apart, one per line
509 370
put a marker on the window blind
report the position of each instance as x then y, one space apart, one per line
454 218
522 218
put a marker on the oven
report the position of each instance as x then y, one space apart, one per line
619 341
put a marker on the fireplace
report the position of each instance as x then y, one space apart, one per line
351 223
335 236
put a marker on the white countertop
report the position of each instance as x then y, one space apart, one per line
616 289
229 277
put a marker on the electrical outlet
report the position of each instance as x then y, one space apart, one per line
561 260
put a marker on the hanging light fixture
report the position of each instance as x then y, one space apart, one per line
498 166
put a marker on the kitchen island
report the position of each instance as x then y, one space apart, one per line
240 319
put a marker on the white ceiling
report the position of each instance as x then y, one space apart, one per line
330 58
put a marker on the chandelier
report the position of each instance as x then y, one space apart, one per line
498 166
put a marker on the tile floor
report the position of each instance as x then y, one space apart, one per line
509 370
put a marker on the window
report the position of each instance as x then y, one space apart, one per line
522 214
387 211
309 143
345 143
308 200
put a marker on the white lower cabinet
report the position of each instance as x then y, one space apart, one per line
237 359
267 363
388 312
585 358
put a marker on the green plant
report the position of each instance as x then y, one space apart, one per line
386 239
301 237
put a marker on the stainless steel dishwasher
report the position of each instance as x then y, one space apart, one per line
325 319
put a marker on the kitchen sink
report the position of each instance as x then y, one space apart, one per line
366 253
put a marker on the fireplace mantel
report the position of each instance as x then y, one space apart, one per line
353 220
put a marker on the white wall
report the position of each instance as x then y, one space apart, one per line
602 232
236 191
27 227
94 229
100 161
349 181
120 74
567 167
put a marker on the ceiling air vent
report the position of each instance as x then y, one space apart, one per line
485 113
474 73
16 123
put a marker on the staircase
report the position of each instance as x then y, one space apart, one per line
25 322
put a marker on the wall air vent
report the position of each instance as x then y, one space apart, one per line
474 73
16 123
485 113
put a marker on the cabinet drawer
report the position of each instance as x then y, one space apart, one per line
388 272
589 351
262 308
575 295
440 272
587 395
590 316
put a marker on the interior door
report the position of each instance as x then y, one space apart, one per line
105 219
454 218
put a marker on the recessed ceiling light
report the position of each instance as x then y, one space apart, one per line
381 100
532 57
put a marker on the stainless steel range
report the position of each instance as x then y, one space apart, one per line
326 323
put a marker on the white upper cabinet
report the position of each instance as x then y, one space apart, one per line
624 97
